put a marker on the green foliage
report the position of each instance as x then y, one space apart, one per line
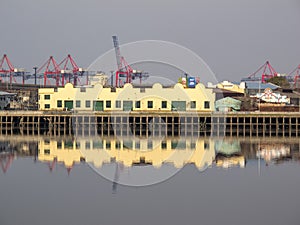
280 81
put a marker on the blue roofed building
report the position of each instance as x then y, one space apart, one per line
252 88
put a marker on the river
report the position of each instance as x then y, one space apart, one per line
155 180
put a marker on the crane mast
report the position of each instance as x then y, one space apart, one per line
267 72
295 77
124 69
118 53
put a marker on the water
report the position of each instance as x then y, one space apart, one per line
106 180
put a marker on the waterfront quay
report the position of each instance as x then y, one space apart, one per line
265 124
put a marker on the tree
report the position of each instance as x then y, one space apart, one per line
279 81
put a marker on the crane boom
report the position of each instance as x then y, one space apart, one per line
118 53
267 72
75 69
124 69
295 75
9 71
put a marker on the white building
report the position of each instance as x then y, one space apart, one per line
269 96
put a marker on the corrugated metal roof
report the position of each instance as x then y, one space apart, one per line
256 86
228 102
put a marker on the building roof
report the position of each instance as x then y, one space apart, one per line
225 91
6 93
261 86
228 102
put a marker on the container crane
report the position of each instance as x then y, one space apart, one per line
50 72
124 69
267 72
75 72
119 169
52 164
295 76
9 71
6 161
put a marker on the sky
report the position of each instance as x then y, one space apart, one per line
233 37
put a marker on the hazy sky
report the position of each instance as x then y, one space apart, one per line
234 37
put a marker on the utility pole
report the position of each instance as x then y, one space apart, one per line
35 68
112 78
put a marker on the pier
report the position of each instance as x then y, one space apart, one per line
240 124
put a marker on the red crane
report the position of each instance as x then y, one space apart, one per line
267 72
69 168
9 71
6 161
296 74
52 70
124 69
52 164
65 69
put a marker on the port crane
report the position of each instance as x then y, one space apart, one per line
60 71
267 72
124 69
8 70
6 161
74 73
294 75
119 169
52 164
52 70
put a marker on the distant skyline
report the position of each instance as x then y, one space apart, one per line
233 37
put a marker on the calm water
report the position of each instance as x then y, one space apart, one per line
186 180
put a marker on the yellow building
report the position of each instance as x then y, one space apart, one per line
226 85
128 151
65 152
127 98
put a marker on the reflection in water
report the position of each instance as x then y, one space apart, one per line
229 153
12 147
190 196
276 153
128 152
129 161
125 152
6 160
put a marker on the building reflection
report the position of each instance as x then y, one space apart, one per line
228 153
126 152
12 147
274 152
129 152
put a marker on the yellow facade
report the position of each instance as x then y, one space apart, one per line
129 152
99 98
66 153
232 87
